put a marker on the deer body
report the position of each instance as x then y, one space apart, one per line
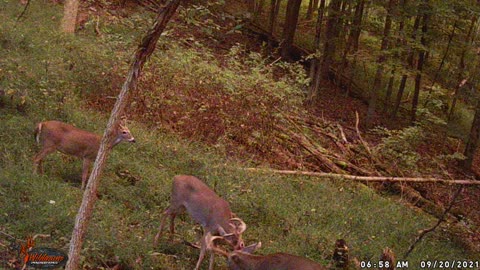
205 207
278 261
58 136
242 259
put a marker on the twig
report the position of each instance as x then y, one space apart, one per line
23 12
440 220
360 136
368 178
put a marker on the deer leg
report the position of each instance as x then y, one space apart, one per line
85 169
162 225
37 160
203 249
172 224
212 258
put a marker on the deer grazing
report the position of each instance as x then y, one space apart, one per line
205 207
65 138
242 259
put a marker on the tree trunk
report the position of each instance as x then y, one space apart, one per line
461 66
310 9
291 20
259 4
70 11
274 9
421 61
84 214
314 70
380 61
410 62
352 41
388 94
330 37
473 137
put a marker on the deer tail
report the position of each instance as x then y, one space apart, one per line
38 131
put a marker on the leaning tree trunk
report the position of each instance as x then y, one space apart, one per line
380 61
70 11
84 214
290 26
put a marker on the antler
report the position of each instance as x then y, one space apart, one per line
209 238
241 227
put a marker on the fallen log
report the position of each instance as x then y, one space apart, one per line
368 178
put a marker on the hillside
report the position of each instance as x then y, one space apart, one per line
185 118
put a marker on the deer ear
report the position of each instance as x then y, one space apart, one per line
251 248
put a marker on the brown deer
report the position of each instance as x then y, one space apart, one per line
205 207
70 140
242 259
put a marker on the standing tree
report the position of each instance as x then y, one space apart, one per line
70 12
315 73
410 63
331 36
380 61
473 137
421 59
290 26
84 214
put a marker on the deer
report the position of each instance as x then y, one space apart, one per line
59 136
205 207
243 259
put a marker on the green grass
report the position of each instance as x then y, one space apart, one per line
299 215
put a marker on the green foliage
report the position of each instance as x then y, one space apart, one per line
398 147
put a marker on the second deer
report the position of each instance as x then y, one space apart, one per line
205 207
243 259
58 136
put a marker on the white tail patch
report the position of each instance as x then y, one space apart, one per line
39 131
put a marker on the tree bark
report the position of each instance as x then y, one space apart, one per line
70 11
291 20
380 61
84 214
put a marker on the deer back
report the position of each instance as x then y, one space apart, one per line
202 203
278 261
73 141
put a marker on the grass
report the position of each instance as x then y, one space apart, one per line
299 215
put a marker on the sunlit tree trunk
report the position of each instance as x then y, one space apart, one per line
380 62
70 12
